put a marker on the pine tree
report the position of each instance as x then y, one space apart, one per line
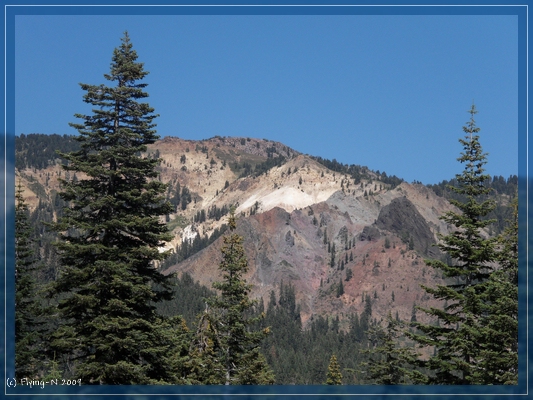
366 314
349 274
340 288
498 363
110 237
205 364
332 261
236 344
334 375
390 364
28 310
457 334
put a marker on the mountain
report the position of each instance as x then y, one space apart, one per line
335 235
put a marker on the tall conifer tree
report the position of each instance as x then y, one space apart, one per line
110 237
458 333
236 344
28 310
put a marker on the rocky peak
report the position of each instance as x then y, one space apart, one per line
401 217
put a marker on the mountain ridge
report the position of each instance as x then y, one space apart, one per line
302 223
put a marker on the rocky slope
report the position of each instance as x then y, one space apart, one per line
289 245
295 217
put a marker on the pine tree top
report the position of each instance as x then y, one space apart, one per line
334 375
473 180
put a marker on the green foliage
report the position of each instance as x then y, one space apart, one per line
217 213
332 250
200 216
38 150
236 345
204 365
349 274
390 364
29 314
501 191
357 172
188 299
178 221
499 333
35 186
340 288
185 198
110 237
334 375
289 345
467 320
180 197
54 371
246 169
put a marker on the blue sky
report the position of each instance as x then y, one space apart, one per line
388 92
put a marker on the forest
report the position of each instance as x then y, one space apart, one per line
91 306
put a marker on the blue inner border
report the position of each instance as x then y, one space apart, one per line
7 201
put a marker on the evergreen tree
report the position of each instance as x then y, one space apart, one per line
332 261
340 288
413 313
411 243
390 364
457 335
349 274
498 363
236 344
365 318
334 375
204 364
110 237
28 310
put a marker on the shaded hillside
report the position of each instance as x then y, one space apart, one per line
402 218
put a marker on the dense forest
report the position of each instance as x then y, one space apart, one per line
38 151
93 307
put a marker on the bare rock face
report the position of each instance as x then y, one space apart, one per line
402 218
289 239
370 233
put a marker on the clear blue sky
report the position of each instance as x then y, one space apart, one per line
388 92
